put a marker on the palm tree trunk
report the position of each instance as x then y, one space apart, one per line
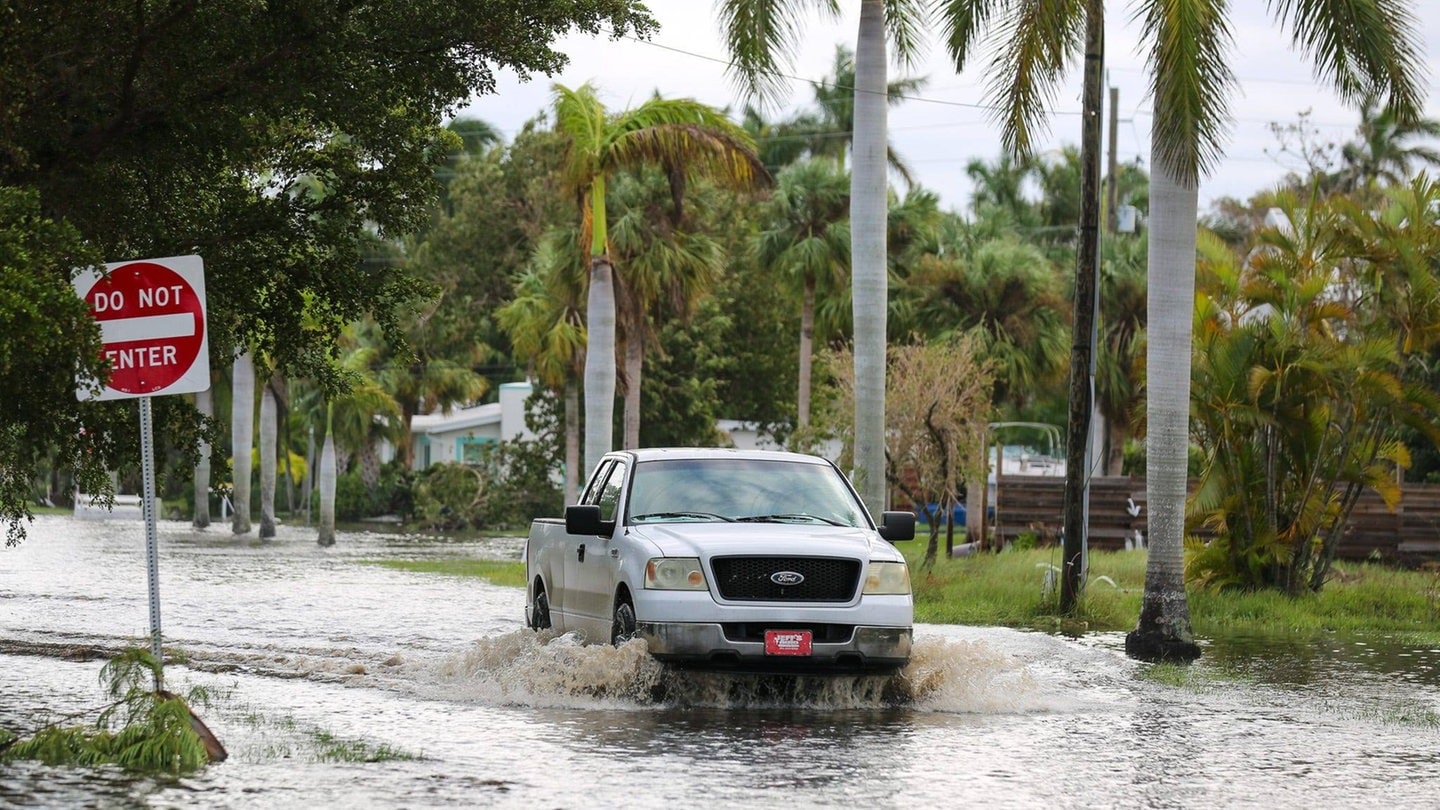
867 248
269 426
327 486
807 353
1115 458
634 366
1163 631
205 404
242 436
599 363
572 442
369 457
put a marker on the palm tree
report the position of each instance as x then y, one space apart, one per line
805 237
685 139
1366 52
205 404
436 374
834 129
1119 367
547 331
756 32
269 428
1000 190
1381 154
1363 55
327 482
665 268
242 437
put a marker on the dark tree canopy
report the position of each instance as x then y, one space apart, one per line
267 137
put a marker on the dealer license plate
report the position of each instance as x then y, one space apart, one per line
787 642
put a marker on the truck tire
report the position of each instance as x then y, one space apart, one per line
622 627
540 611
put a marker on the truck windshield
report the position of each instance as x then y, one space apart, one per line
748 490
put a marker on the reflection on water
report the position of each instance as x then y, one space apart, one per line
346 684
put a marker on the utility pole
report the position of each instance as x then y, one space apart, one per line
1082 343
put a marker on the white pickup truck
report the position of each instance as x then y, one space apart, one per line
726 559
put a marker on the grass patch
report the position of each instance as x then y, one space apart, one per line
1009 589
496 572
330 748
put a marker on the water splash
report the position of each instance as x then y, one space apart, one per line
542 669
545 670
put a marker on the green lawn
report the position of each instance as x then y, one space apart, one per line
1009 589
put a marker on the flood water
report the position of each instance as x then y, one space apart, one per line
340 683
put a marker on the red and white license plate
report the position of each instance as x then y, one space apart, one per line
787 642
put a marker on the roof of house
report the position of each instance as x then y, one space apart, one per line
458 419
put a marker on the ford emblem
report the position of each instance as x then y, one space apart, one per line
787 578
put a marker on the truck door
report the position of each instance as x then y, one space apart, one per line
589 567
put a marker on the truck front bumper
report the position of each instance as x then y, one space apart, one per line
736 647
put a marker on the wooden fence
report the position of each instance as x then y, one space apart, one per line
1034 505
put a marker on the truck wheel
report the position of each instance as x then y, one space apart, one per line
540 612
622 628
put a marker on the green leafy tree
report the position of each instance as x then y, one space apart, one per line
166 129
51 330
1300 386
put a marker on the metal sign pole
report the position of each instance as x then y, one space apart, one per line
147 510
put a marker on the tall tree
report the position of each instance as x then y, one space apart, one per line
666 266
327 483
208 112
758 35
545 322
269 433
1119 377
242 438
1384 150
683 138
205 406
833 129
805 237
1365 48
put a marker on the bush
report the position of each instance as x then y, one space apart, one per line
511 486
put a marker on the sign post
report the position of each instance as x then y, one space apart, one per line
152 324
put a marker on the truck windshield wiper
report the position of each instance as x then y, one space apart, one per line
673 515
788 518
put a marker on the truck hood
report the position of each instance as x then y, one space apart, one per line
707 540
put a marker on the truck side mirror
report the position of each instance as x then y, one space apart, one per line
897 526
585 519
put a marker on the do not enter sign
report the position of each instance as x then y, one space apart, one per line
152 324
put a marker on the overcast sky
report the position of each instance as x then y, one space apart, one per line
946 124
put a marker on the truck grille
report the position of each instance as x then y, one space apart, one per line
751 579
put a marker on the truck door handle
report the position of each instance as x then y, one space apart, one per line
580 554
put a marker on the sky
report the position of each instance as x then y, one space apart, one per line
946 124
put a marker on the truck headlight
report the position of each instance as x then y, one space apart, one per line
887 577
674 574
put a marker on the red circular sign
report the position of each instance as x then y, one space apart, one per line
152 325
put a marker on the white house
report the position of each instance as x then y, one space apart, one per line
461 434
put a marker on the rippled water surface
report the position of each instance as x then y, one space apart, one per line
340 683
